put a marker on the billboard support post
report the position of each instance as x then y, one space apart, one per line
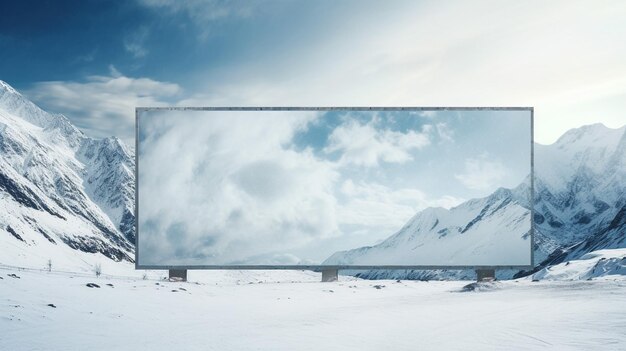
178 275
330 275
485 275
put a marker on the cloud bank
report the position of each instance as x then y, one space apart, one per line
104 105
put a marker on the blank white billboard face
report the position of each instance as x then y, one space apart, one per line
333 187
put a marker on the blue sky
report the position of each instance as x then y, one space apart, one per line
70 40
305 184
96 60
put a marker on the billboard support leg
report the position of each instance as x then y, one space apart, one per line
330 275
179 275
485 275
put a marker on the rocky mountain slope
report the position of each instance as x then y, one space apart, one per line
462 236
61 191
580 206
580 199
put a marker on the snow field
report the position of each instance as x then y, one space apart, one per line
292 310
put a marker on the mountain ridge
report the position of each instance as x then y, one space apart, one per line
71 197
59 186
580 194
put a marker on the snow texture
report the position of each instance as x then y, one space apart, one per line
601 263
287 310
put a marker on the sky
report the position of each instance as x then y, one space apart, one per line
294 187
95 61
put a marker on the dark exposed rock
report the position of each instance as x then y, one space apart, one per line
480 286
34 224
127 225
93 245
25 196
435 224
14 233
476 220
45 235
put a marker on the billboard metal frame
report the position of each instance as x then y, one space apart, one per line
530 266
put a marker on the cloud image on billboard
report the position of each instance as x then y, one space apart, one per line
334 187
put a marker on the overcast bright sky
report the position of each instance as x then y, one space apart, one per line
294 187
96 60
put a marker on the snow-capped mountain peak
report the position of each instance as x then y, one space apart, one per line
592 149
62 130
60 190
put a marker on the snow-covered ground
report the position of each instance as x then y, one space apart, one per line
292 310
591 265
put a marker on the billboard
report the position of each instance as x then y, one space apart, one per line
246 188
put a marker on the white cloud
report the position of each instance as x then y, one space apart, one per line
366 145
378 207
103 105
263 197
135 42
485 53
87 57
481 173
445 133
428 114
203 13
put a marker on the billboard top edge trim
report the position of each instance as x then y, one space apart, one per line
346 108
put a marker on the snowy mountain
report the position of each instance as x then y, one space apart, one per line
463 235
70 198
61 191
580 193
580 207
